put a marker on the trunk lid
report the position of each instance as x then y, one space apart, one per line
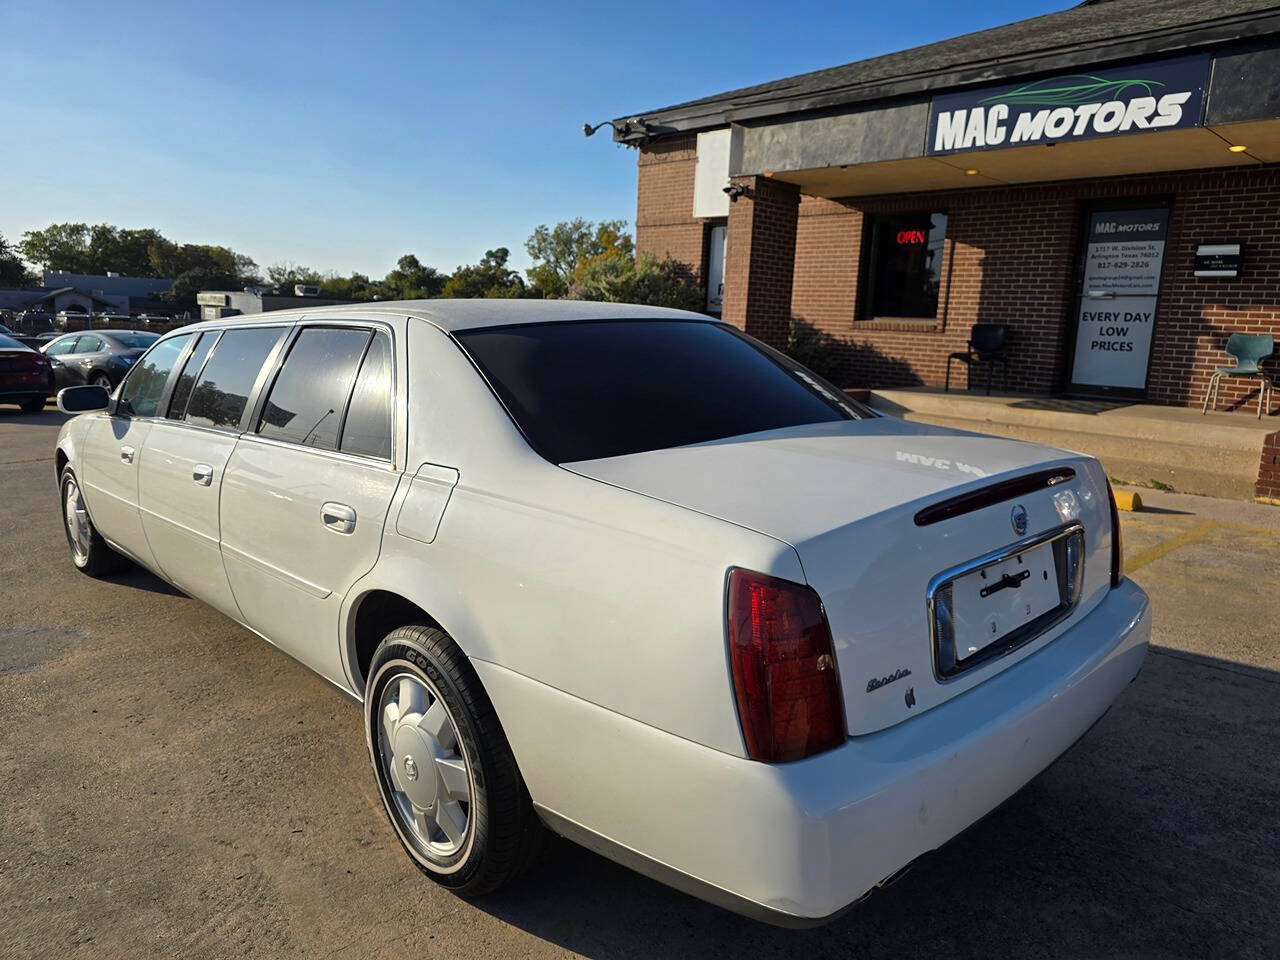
845 496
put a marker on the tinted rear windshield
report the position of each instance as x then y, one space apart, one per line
590 389
8 343
134 341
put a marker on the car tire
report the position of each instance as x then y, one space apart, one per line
101 380
33 405
89 552
445 771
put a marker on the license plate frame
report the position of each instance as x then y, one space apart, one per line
1054 562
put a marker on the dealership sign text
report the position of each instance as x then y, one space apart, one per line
1165 95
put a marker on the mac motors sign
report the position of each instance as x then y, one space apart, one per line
1163 95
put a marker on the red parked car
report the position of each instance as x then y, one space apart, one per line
26 377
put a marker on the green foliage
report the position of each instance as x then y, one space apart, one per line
13 272
97 249
820 352
560 250
411 280
645 280
491 278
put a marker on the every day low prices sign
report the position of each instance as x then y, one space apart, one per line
1118 297
1163 95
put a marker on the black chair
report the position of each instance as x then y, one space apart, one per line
987 342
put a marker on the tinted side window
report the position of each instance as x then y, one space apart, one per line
145 384
88 345
220 396
367 429
305 404
59 347
187 379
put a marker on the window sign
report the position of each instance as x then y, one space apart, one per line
905 266
1123 258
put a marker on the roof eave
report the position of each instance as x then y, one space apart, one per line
640 128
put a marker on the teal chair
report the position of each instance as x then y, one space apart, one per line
1248 350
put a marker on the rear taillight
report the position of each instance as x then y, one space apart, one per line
1117 541
784 668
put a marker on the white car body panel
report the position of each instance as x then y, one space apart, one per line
874 475
591 600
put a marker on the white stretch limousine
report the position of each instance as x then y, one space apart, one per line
622 574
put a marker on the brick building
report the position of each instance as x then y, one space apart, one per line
1105 181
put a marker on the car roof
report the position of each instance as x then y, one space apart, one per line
455 315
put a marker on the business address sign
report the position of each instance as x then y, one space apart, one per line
1163 95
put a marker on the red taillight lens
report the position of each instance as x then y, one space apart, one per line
784 669
1117 541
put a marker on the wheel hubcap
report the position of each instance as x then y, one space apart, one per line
425 765
79 530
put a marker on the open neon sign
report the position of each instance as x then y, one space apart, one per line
908 237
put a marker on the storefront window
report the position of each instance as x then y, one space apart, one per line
904 272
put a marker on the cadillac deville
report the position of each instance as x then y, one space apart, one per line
622 574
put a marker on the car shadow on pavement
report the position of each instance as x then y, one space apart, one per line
140 579
49 415
1156 835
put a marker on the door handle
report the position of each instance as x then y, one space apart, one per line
202 474
338 517
126 454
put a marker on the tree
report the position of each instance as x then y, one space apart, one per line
411 280
198 266
558 251
646 280
489 278
59 246
121 250
286 275
13 272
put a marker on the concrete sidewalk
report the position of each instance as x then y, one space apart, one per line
1215 454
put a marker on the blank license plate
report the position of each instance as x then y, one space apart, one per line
994 601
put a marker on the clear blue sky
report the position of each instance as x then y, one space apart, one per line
341 136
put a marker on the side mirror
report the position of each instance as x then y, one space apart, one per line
83 399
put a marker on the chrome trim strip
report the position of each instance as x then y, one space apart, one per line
938 581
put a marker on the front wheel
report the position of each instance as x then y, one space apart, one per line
444 768
34 405
89 552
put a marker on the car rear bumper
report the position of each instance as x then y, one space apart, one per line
795 844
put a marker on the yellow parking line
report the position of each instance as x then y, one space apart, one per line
1198 532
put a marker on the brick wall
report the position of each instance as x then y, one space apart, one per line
665 226
760 256
1009 259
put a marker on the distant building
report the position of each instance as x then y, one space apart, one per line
216 304
89 293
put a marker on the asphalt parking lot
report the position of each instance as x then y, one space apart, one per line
170 785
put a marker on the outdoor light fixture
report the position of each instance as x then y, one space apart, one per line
736 190
1237 148
588 129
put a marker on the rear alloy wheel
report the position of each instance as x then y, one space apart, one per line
89 552
444 768
102 380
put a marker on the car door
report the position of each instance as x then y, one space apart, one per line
186 453
113 445
58 352
87 356
306 492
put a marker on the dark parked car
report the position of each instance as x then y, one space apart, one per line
100 357
25 377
